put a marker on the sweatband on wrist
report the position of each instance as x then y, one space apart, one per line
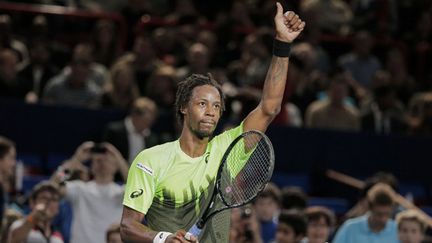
281 48
161 237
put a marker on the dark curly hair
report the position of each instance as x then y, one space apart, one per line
185 88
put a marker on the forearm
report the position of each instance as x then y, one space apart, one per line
123 168
274 86
20 233
133 231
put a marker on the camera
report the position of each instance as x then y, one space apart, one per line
98 149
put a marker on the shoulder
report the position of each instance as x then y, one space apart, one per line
156 156
355 223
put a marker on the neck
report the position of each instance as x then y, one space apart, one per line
191 144
373 227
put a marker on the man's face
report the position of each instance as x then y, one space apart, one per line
50 202
410 232
102 164
379 216
286 234
265 208
318 230
203 111
7 163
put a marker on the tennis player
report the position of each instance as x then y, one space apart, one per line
168 185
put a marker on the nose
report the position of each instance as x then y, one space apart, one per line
210 111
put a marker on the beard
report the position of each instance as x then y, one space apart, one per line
201 134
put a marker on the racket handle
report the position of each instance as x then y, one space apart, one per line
195 230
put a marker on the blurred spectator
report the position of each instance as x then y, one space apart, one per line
96 203
385 114
7 40
10 84
143 60
380 17
421 123
266 207
113 234
37 226
167 46
362 205
134 133
198 61
404 84
7 169
333 112
11 215
105 42
332 16
360 62
411 226
121 89
77 85
244 226
293 198
291 227
377 225
162 87
36 74
321 221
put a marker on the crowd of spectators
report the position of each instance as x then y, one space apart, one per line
358 66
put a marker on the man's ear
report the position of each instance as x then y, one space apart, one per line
183 110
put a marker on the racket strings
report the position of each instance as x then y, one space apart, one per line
247 169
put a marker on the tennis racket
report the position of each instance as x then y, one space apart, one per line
245 169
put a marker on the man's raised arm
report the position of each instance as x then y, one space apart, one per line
288 26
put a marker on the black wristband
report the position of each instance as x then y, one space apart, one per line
281 48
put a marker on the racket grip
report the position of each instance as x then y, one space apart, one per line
195 230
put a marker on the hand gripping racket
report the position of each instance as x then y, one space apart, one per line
245 169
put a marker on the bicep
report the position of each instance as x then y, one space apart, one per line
257 120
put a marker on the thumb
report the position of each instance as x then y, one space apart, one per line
279 9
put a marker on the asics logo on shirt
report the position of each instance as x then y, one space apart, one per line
137 193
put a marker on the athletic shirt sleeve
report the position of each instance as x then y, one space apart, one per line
141 183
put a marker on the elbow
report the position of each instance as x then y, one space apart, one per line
271 111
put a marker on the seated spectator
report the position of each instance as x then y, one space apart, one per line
244 226
37 226
76 85
291 227
266 207
321 221
293 198
362 205
121 90
385 114
96 204
113 234
333 112
10 83
7 168
134 133
361 62
332 16
377 225
8 41
37 72
411 226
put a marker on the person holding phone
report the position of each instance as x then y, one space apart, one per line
37 226
96 204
